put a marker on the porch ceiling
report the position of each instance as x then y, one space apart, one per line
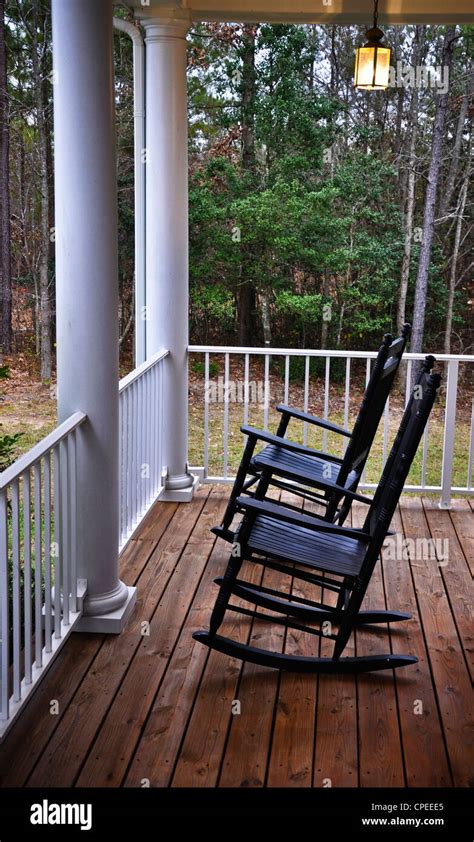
314 11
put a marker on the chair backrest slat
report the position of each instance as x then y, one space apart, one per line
399 462
372 407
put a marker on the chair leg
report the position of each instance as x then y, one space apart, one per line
348 621
343 596
225 592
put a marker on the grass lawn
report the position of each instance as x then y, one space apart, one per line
30 409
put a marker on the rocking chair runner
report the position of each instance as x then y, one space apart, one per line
310 468
297 544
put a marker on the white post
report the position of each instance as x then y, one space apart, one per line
449 433
139 178
87 291
167 235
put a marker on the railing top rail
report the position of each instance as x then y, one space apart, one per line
141 369
306 352
38 450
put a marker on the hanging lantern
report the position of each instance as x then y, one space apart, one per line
372 60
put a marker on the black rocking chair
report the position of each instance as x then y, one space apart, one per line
302 468
327 555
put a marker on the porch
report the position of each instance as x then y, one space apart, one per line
148 707
151 708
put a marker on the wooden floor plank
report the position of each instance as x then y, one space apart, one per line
113 748
69 746
455 573
336 751
26 743
247 750
426 761
156 521
462 518
159 745
380 749
200 759
204 740
453 686
292 748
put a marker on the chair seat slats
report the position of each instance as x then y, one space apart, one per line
309 468
331 553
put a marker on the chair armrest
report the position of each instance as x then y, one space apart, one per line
313 419
287 444
289 516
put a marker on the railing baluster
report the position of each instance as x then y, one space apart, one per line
386 424
408 381
305 398
128 395
57 540
72 461
346 402
16 604
326 400
4 609
65 539
425 454
144 457
154 486
26 487
38 578
287 379
160 420
206 414
226 410
140 448
133 398
149 419
246 388
266 396
367 378
48 608
449 433
121 464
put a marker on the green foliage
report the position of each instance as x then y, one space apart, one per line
199 368
8 446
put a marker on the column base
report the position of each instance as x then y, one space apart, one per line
111 622
180 494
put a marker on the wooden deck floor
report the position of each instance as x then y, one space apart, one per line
157 708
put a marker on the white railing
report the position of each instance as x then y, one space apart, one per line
40 594
140 442
243 385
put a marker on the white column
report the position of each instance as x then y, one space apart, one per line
167 235
87 290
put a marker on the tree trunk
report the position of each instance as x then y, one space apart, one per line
409 213
325 322
430 202
246 314
44 302
248 98
448 190
246 297
454 259
6 333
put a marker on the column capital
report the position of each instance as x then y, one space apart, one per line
170 23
